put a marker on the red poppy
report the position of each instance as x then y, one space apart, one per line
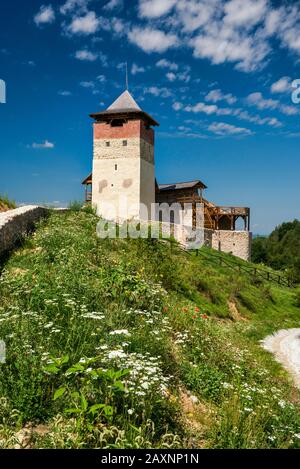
197 309
194 317
204 316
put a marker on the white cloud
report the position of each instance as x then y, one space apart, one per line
257 100
171 76
288 110
256 119
45 15
221 45
246 13
202 107
241 32
152 40
193 14
112 4
42 146
65 93
215 96
183 76
137 69
87 84
155 8
283 85
87 24
118 26
101 78
159 92
70 5
177 106
86 55
223 129
164 63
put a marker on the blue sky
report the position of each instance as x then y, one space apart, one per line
216 74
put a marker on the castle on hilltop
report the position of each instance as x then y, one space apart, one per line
124 169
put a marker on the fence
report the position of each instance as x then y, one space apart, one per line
236 265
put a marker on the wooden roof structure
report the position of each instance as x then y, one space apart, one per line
182 185
124 107
88 180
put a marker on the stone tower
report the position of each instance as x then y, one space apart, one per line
123 163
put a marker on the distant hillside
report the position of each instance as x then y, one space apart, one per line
6 204
280 250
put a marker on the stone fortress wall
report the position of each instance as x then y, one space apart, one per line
14 224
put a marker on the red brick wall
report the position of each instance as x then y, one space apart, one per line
133 128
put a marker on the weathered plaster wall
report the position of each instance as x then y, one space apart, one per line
123 170
237 243
14 224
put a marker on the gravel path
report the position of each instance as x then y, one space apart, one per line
285 345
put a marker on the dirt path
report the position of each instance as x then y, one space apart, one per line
285 345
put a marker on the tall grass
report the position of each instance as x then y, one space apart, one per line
105 336
6 203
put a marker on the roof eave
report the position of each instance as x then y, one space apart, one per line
103 115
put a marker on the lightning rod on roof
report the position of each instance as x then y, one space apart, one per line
126 67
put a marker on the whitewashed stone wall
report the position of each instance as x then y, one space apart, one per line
237 243
14 224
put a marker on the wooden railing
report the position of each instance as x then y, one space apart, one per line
254 271
237 211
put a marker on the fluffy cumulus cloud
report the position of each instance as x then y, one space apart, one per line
164 63
257 100
283 85
223 129
246 13
86 55
158 92
202 107
155 8
113 4
215 96
236 31
78 6
45 15
85 25
152 40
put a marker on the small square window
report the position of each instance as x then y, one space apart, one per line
124 143
107 144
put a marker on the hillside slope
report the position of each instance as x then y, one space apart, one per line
134 343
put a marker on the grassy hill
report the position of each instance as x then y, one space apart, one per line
6 204
280 250
135 343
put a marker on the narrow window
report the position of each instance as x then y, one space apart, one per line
107 144
124 143
116 167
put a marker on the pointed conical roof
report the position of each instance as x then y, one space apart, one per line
124 102
124 107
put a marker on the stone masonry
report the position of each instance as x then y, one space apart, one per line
14 224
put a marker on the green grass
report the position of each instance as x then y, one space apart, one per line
6 203
133 343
